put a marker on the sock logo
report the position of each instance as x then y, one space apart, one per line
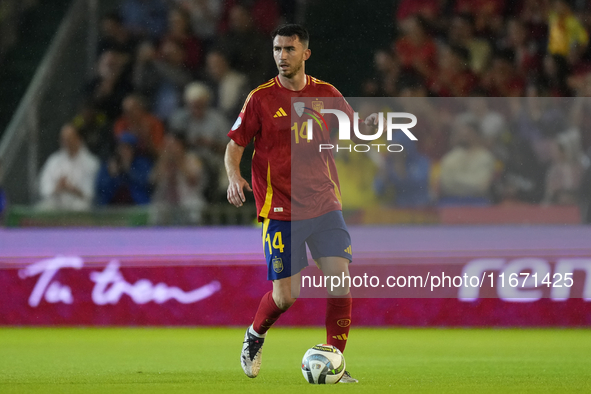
343 322
270 321
342 337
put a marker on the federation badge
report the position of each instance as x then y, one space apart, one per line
277 265
299 108
343 322
318 105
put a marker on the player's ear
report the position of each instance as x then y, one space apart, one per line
307 54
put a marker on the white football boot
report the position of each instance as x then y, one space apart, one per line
348 379
251 355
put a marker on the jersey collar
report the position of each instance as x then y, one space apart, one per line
308 81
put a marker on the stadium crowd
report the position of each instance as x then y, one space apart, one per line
172 75
533 149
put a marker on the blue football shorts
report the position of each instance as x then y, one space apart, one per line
285 242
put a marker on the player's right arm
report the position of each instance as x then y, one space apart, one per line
236 182
246 127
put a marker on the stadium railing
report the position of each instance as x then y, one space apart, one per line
50 100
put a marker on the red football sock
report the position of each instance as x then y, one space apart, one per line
338 321
267 314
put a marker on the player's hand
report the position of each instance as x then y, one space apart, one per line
236 191
372 120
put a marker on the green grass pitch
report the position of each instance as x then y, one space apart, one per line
206 360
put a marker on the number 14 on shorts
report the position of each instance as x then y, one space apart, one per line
276 244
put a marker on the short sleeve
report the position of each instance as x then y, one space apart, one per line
247 124
342 105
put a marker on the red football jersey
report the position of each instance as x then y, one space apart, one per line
299 183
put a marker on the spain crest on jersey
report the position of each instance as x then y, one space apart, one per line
317 105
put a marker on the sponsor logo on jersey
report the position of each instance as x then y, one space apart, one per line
344 323
349 250
278 209
277 264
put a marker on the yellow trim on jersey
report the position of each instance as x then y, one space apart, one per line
325 83
269 197
337 192
263 86
265 229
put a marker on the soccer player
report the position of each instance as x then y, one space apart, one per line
311 214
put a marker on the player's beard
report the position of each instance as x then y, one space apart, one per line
294 72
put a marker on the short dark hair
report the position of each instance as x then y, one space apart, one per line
290 30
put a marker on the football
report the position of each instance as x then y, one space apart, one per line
323 364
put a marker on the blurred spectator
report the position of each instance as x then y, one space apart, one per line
432 132
502 79
467 170
360 169
454 77
111 83
487 14
263 13
527 57
180 31
67 177
580 112
114 36
416 49
205 15
387 71
144 18
563 178
147 128
567 37
179 181
408 172
522 179
94 128
204 127
491 124
205 130
586 194
124 178
162 78
411 84
538 121
461 33
246 49
427 9
554 76
229 86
